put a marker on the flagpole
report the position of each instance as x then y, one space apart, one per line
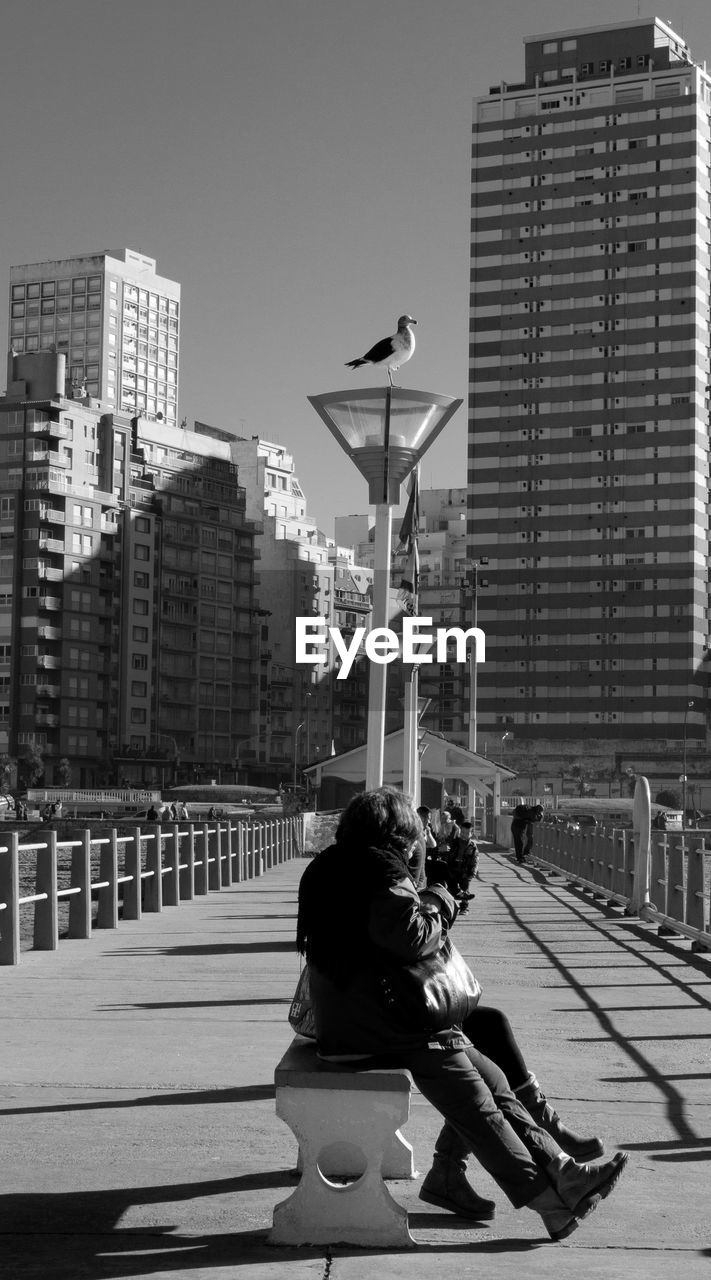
410 764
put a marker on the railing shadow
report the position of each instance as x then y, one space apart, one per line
676 1109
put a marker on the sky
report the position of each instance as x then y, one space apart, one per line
300 166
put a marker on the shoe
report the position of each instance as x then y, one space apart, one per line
577 1191
538 1106
446 1186
586 1186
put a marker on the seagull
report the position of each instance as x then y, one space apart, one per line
390 352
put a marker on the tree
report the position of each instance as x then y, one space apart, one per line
7 765
580 775
30 766
670 799
64 772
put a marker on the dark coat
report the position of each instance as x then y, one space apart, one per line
352 937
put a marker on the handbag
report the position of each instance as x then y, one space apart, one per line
436 993
301 1013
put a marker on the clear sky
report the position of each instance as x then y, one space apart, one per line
300 166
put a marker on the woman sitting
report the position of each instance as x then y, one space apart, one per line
361 917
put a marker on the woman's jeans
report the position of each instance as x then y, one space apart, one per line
492 1034
483 1116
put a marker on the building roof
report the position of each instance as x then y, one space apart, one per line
439 759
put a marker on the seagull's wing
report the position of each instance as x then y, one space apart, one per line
380 351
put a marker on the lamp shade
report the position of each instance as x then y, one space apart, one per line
385 431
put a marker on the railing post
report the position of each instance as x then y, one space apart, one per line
238 872
696 913
9 894
107 910
259 850
212 845
227 854
201 864
187 870
80 903
171 888
132 867
153 881
46 931
675 903
249 842
658 870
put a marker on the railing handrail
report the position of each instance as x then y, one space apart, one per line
182 861
603 861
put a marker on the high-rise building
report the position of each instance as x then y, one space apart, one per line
127 648
116 321
294 721
589 358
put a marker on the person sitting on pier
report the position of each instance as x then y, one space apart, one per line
382 924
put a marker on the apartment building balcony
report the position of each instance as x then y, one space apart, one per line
58 431
49 633
47 722
49 574
48 691
50 602
49 662
53 515
51 544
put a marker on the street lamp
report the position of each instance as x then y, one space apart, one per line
298 729
385 431
687 709
473 658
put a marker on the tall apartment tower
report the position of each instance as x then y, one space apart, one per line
127 581
588 445
116 321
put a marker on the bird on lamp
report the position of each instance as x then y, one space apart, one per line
392 352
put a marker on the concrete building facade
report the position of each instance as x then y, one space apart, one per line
115 320
589 379
126 590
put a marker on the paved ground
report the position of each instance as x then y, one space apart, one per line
139 1137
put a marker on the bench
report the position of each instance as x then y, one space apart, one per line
346 1121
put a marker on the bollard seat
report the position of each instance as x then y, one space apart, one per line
346 1118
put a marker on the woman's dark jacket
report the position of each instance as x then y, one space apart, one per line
360 914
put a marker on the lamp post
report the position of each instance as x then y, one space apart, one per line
385 431
473 658
297 730
687 709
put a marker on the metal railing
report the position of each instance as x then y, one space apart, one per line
670 885
161 865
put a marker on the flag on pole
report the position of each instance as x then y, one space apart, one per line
407 546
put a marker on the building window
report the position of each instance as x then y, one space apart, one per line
140 606
140 634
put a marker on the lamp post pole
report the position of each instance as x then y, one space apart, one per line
360 420
298 729
687 708
473 657
377 684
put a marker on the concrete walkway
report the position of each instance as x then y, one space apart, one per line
139 1137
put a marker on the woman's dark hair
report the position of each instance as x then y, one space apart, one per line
381 819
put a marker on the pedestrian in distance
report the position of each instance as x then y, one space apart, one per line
464 865
426 848
360 921
522 829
